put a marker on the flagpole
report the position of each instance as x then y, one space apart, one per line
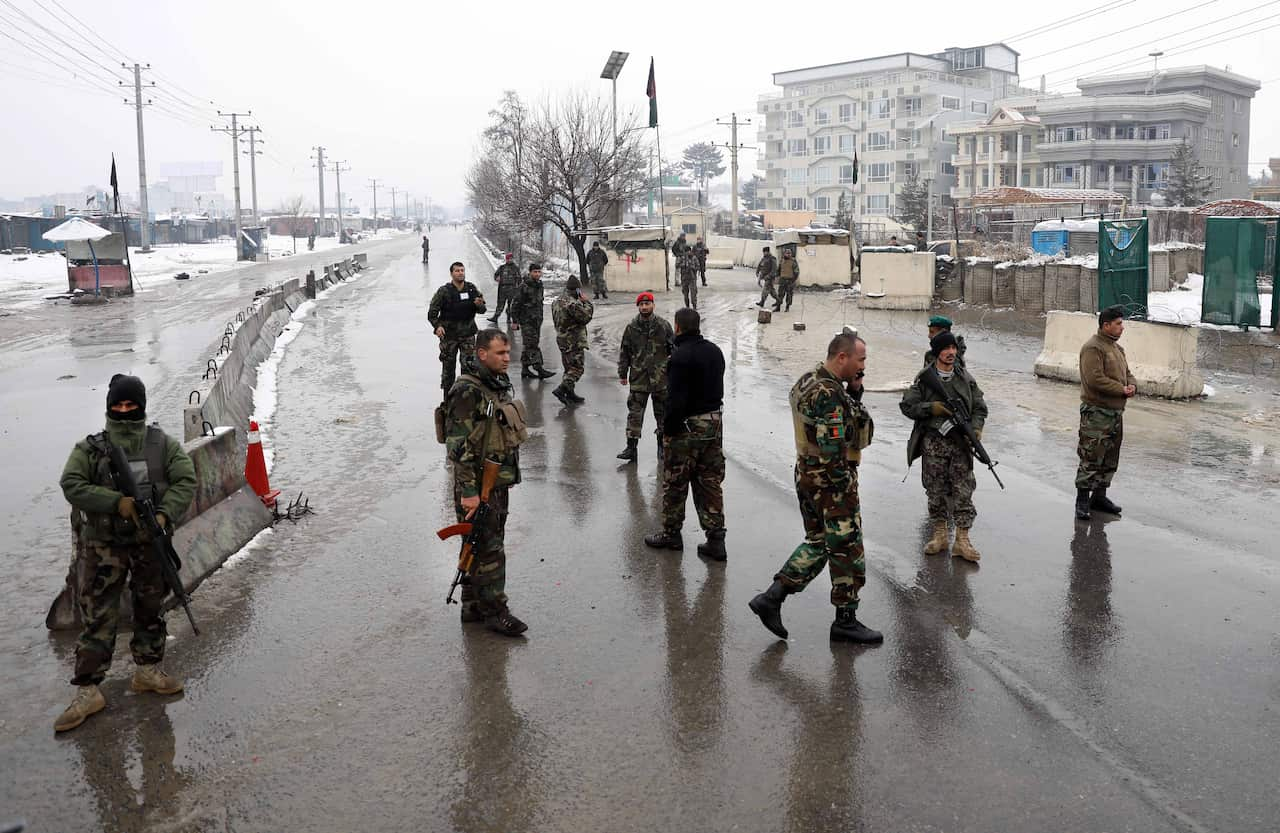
124 226
662 211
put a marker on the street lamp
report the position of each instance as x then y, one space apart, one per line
611 70
1155 70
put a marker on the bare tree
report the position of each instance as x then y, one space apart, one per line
292 208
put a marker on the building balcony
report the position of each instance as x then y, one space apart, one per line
1102 150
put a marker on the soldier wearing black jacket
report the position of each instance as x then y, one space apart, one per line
452 315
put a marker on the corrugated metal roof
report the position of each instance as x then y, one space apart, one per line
1007 195
1239 208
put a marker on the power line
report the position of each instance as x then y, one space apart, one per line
95 37
1144 24
61 40
77 72
1110 6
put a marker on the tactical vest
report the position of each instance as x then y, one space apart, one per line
148 472
787 270
843 432
503 430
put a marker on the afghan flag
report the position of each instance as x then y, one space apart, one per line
115 185
855 167
651 90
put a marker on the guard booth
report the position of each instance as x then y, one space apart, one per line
1122 266
824 254
253 240
637 257
690 221
1238 251
112 278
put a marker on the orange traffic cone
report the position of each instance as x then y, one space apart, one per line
255 468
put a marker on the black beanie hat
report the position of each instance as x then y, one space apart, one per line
129 388
942 341
573 284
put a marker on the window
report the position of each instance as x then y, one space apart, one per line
878 140
689 228
796 203
911 107
878 172
877 203
821 145
1151 176
881 108
1235 140
822 175
966 58
1069 134
795 119
1065 174
1153 131
948 169
822 117
797 176
1126 132
797 147
1238 103
979 107
846 174
822 205
846 143
846 113
950 102
799 91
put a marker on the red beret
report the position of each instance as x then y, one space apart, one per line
644 296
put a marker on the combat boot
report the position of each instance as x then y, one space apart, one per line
941 539
573 396
1102 503
768 606
629 453
665 540
529 373
714 549
847 628
1082 505
153 678
505 623
963 547
543 373
563 395
88 701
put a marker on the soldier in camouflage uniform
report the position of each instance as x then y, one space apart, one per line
831 429
700 251
484 422
642 363
693 440
687 264
788 273
113 548
452 315
766 276
947 468
526 312
570 313
507 277
1106 384
596 261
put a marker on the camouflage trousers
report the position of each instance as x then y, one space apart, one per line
786 288
530 351
636 402
453 350
505 296
689 288
768 290
1101 432
574 359
101 570
832 537
598 285
694 459
947 474
485 586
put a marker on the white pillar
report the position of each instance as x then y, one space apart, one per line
1111 176
1133 184
1018 182
991 160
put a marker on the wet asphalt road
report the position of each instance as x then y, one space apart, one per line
1087 677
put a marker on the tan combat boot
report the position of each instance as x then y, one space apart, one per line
940 540
963 547
88 701
153 678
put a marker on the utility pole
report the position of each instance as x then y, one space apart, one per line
373 183
234 132
320 170
142 154
337 173
734 147
393 207
254 153
407 214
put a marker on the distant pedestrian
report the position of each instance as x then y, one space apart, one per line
693 440
700 251
507 277
426 248
452 315
647 343
1106 384
766 276
687 264
893 240
788 274
922 244
596 261
570 313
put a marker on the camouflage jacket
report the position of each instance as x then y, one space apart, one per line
700 251
526 305
795 269
646 346
917 404
767 267
508 274
831 428
473 432
571 313
687 263
597 260
87 486
455 309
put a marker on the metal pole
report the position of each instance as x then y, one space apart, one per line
253 172
393 207
374 184
928 235
662 211
733 167
235 170
320 171
142 161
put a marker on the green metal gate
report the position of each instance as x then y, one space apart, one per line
1237 252
1122 266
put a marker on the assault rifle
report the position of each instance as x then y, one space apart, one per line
161 544
960 416
471 530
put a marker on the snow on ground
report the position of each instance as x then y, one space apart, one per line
1182 305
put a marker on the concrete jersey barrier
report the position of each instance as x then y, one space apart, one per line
1162 357
897 280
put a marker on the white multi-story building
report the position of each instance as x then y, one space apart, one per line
892 112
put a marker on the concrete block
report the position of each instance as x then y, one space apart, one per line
1162 357
1179 262
1158 271
723 257
192 422
895 280
639 270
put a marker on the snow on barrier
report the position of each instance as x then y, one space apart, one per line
1062 287
1003 285
1029 286
896 280
977 282
1162 357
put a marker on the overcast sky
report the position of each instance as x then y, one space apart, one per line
401 91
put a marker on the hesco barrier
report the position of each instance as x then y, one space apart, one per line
1088 289
977 282
1003 285
1029 287
225 513
1160 272
1162 357
1062 287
